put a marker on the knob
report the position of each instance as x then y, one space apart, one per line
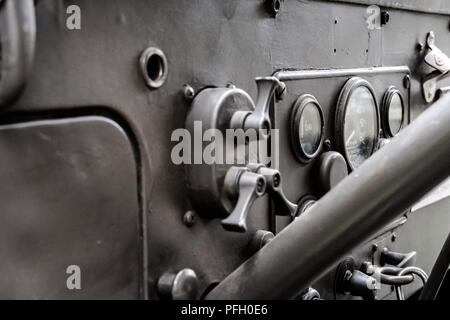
179 286
246 186
333 169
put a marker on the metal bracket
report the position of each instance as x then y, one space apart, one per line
439 61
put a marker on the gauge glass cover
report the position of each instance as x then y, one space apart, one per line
360 126
310 129
395 114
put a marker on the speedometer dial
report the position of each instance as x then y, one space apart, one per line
357 121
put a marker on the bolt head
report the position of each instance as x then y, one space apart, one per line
327 145
188 92
407 81
189 218
273 7
384 17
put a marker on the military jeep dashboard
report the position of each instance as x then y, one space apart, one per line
258 149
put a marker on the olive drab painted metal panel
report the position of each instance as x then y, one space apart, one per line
131 180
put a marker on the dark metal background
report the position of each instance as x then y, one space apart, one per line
206 43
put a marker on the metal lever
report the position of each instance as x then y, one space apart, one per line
246 186
400 260
438 60
259 118
283 207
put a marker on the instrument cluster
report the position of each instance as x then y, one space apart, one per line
334 121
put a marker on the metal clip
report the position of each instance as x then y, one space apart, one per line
439 61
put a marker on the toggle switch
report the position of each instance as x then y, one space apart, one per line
283 207
246 186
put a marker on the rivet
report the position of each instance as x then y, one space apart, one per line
189 218
407 82
188 92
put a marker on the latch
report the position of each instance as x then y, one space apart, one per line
439 61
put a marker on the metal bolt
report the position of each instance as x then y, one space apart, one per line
276 180
384 17
189 218
273 7
407 81
231 85
327 145
188 92
374 247
419 46
261 183
367 268
393 237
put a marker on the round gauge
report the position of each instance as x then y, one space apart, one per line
357 121
392 112
307 127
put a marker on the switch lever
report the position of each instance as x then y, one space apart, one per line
246 186
283 207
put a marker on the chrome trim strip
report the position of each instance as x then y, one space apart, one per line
291 75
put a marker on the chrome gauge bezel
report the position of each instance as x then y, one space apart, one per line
346 92
385 106
296 114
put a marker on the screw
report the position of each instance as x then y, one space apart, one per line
188 92
327 145
189 218
384 17
276 180
393 237
273 7
407 81
374 247
260 185
419 46
230 85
